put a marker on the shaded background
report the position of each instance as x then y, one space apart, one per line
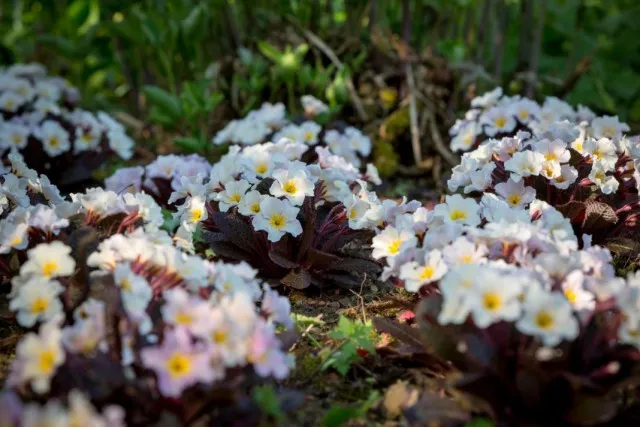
178 70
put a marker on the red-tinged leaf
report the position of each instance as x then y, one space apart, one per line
236 229
282 260
308 231
320 260
400 331
573 210
300 279
598 215
358 265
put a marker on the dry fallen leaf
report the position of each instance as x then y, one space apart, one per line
398 397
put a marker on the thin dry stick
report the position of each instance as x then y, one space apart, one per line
447 155
353 94
413 117
361 299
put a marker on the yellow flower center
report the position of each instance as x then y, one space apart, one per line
46 361
597 153
277 221
261 168
466 259
550 156
16 139
514 199
39 305
560 179
178 365
183 318
236 197
492 301
54 141
500 122
599 175
290 187
49 268
571 295
353 214
125 284
467 140
524 114
220 337
16 241
9 104
456 215
86 137
633 332
578 146
426 273
255 208
608 132
394 246
544 320
196 214
308 136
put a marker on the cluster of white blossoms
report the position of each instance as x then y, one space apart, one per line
492 262
269 123
234 182
38 109
552 144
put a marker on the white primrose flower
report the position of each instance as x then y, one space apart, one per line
568 175
573 289
488 99
86 139
192 212
277 217
14 135
358 141
310 131
37 300
498 120
494 297
608 184
481 179
13 236
356 211
602 151
182 309
548 316
38 356
553 150
455 287
135 290
417 274
525 110
392 242
54 138
120 143
250 203
457 209
313 106
49 260
524 164
11 101
608 127
465 138
554 109
232 194
294 184
465 251
515 193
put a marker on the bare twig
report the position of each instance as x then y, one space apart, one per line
413 117
353 94
406 22
572 80
361 299
447 155
535 50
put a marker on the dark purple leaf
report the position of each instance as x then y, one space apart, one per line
573 210
358 265
591 410
282 260
236 229
320 260
598 215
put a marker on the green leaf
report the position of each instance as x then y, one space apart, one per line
167 104
339 415
270 51
267 399
190 144
194 24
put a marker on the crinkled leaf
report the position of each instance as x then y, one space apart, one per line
320 260
300 279
598 215
592 410
358 265
237 230
573 210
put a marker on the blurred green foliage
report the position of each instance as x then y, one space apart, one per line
196 62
